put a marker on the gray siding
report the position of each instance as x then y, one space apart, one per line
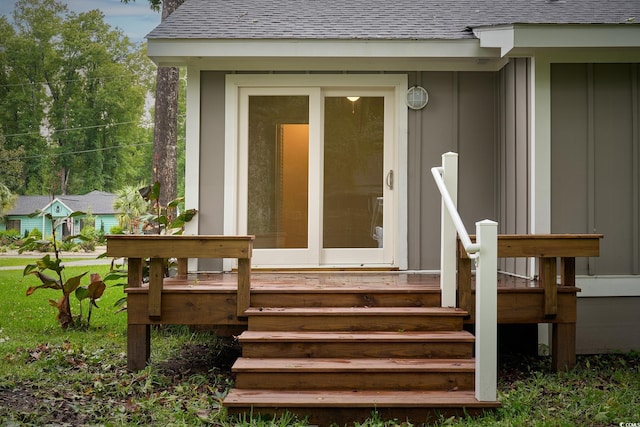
462 116
211 212
607 325
514 156
596 160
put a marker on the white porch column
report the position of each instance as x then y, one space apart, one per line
448 233
486 311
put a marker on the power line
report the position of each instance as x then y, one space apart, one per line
39 156
70 129
63 81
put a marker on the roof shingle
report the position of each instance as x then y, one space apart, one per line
378 19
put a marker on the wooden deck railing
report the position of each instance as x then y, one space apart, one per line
136 248
547 248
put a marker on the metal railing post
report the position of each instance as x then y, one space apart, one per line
486 311
448 232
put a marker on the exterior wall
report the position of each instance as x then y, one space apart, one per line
462 116
212 134
596 161
514 147
595 176
607 325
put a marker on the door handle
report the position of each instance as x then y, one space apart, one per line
389 179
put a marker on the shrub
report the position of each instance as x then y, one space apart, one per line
9 237
116 229
35 233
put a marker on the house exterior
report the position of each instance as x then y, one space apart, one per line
306 126
98 203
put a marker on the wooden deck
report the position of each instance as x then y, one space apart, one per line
336 344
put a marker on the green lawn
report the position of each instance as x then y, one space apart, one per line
6 261
78 377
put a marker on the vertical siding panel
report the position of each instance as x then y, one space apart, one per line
211 212
613 166
416 169
635 117
436 138
510 158
476 145
569 152
521 155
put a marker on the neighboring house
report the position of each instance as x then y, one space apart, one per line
98 203
298 131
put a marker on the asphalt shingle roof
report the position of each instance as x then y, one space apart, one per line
100 203
378 19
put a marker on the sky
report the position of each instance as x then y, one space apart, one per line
135 19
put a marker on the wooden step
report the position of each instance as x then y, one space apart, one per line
345 296
356 319
325 407
354 374
410 344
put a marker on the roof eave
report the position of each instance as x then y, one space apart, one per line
305 53
518 37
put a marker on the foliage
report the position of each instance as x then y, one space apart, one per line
6 199
131 206
73 91
9 237
58 282
165 219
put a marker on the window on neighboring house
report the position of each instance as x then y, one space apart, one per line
13 224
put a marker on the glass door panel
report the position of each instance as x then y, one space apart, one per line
278 171
353 205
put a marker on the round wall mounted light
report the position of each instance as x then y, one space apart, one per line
417 97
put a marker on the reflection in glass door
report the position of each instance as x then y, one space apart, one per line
278 150
353 172
317 166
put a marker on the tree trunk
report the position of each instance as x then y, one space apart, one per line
165 135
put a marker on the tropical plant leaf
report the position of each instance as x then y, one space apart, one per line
72 284
77 213
96 287
175 202
82 293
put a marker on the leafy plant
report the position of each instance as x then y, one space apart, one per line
165 219
58 282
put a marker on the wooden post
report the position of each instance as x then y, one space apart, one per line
244 285
134 272
464 281
183 268
156 276
568 271
547 275
563 342
138 346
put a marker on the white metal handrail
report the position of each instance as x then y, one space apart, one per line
485 253
471 248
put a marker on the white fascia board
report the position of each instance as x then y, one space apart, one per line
508 38
164 51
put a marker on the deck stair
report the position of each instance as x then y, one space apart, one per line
320 355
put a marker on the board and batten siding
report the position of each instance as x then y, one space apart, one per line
461 116
595 176
595 167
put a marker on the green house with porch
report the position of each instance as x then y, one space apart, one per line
98 203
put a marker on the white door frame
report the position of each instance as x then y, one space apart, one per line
285 84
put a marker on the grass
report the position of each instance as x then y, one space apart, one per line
21 262
79 377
